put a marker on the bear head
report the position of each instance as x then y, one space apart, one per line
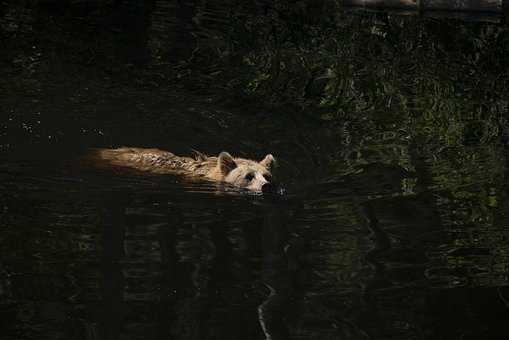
247 174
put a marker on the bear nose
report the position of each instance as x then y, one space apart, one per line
268 188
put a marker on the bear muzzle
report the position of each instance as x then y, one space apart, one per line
269 188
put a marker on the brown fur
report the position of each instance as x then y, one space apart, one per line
239 172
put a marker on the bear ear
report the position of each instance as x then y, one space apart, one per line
268 162
201 157
225 163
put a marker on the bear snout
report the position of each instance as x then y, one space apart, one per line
268 188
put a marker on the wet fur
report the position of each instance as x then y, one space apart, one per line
223 168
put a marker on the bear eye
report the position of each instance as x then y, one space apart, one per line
267 177
249 177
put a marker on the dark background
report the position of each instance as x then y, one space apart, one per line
391 133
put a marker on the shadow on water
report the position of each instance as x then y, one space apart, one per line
391 138
280 271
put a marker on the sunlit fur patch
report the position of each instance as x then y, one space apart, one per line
238 177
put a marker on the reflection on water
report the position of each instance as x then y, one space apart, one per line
390 132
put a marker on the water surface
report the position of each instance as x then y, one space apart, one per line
390 132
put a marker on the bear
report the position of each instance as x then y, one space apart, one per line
239 172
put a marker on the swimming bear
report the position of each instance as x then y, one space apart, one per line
239 172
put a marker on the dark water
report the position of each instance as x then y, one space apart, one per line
390 132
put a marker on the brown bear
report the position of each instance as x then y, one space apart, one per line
239 172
